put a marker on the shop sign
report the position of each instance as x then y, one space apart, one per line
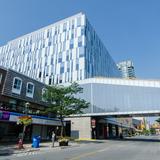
4 115
46 122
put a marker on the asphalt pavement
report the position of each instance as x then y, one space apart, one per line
135 148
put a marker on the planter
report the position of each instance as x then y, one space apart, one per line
63 143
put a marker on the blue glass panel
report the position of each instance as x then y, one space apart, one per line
59 60
71 46
61 70
80 44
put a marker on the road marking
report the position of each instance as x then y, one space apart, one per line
102 150
120 145
25 154
88 154
83 155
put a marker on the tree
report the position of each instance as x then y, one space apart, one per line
63 102
158 120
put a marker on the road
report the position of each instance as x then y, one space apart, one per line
137 148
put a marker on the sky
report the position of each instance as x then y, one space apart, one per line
130 29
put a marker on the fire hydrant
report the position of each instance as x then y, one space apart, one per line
20 144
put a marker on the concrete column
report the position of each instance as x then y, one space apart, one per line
117 131
81 127
110 130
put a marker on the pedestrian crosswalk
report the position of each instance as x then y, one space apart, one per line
26 154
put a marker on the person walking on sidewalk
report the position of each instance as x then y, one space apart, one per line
53 138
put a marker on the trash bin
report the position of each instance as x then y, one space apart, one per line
36 141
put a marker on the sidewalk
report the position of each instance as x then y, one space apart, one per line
44 146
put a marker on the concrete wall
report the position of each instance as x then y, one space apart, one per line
80 127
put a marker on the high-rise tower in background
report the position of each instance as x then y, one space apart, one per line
66 51
127 69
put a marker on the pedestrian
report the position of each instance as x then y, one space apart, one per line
53 138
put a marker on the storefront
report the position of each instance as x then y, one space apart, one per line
41 126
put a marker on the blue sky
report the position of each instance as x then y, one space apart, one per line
130 29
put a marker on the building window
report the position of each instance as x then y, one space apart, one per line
1 78
81 52
64 27
47 34
82 31
67 56
71 45
80 74
77 66
68 67
80 42
55 33
60 81
52 61
50 81
49 43
61 69
64 46
60 58
34 66
40 74
78 21
30 90
17 85
73 24
72 35
60 78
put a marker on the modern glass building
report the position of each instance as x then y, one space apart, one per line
127 69
66 51
121 95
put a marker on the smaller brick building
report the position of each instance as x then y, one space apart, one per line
20 95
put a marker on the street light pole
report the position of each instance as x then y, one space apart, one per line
26 112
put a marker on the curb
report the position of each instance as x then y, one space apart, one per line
13 151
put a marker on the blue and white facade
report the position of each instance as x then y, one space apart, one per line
66 51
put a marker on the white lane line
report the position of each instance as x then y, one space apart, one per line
102 150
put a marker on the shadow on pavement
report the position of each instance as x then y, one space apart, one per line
6 152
